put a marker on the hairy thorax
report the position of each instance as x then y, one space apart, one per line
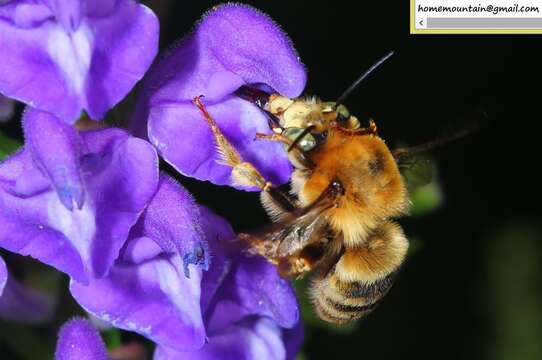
373 187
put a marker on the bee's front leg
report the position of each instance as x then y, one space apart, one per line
296 155
243 172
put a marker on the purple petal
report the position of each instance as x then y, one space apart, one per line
251 339
3 275
78 340
293 340
21 177
45 57
239 286
139 250
172 219
255 288
67 12
249 44
20 304
126 43
24 14
153 298
24 305
147 291
56 150
218 234
232 46
99 8
74 56
196 156
119 182
123 183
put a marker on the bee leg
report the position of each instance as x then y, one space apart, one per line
243 173
274 137
298 157
302 262
371 130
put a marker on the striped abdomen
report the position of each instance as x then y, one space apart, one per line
361 277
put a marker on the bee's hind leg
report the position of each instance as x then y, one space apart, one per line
303 261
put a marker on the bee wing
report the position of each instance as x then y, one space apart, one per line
416 167
474 120
294 231
417 171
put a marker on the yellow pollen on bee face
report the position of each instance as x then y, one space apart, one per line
277 104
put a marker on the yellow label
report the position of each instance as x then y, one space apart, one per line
476 16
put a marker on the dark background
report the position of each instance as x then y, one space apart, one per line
471 287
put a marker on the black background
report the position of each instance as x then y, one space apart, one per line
441 305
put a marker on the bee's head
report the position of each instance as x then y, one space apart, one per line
306 121
301 120
338 115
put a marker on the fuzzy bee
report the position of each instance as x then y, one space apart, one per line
337 225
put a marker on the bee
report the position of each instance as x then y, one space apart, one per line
337 225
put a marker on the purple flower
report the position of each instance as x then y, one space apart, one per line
232 46
136 246
252 338
92 204
69 199
3 275
147 291
72 55
78 340
21 304
250 312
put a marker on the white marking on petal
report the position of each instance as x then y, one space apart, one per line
79 225
156 141
266 340
72 53
180 290
255 345
98 323
105 317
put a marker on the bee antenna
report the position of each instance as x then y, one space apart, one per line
361 78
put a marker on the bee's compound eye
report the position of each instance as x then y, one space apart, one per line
342 113
352 123
307 143
328 106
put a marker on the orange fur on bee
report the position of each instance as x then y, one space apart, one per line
337 228
366 169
